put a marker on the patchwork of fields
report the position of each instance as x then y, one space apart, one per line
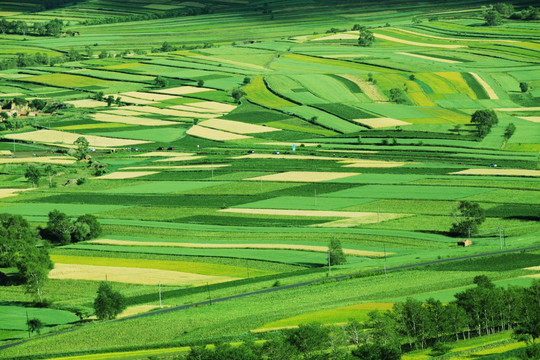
227 162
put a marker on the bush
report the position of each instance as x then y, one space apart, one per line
108 303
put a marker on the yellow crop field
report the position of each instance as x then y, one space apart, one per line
91 126
218 135
500 172
428 57
402 41
148 96
64 137
458 82
358 163
378 123
60 160
131 120
182 266
178 167
257 92
286 156
236 126
439 84
373 218
63 79
303 176
133 275
86 103
4 193
119 175
213 106
182 90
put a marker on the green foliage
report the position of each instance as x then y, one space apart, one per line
376 352
160 82
82 148
524 87
34 325
308 339
397 95
33 175
484 121
492 18
337 257
108 303
366 37
509 131
467 217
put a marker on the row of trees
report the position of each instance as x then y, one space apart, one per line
52 28
412 324
495 15
62 230
190 11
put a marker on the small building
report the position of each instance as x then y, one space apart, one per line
464 243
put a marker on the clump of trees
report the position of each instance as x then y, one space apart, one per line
19 27
109 303
484 121
62 230
366 37
499 11
20 247
335 253
467 217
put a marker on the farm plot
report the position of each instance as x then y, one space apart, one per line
211 134
257 92
87 103
409 192
499 172
148 96
6 192
59 160
331 316
133 275
290 157
15 317
155 110
236 126
183 90
64 137
378 123
62 80
176 167
303 203
165 187
119 175
303 176
314 248
42 209
131 120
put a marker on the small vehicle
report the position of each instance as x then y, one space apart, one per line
492 165
170 148
160 148
251 151
276 152
134 149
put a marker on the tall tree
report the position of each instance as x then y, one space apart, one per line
59 227
33 175
82 148
336 255
467 217
108 303
366 37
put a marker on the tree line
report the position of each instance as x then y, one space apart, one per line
190 11
412 324
51 28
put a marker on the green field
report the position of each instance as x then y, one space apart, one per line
369 145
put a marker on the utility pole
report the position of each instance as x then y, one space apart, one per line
209 297
315 197
160 294
500 238
385 275
28 324
329 267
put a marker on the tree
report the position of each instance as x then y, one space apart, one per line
524 87
34 266
80 232
108 303
160 82
59 227
110 100
50 171
509 131
484 121
237 94
337 257
529 323
468 216
366 37
91 223
33 175
377 352
505 9
166 47
397 95
34 325
492 18
309 338
82 147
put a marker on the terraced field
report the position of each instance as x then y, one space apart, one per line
229 145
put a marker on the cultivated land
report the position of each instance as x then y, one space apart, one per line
225 164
